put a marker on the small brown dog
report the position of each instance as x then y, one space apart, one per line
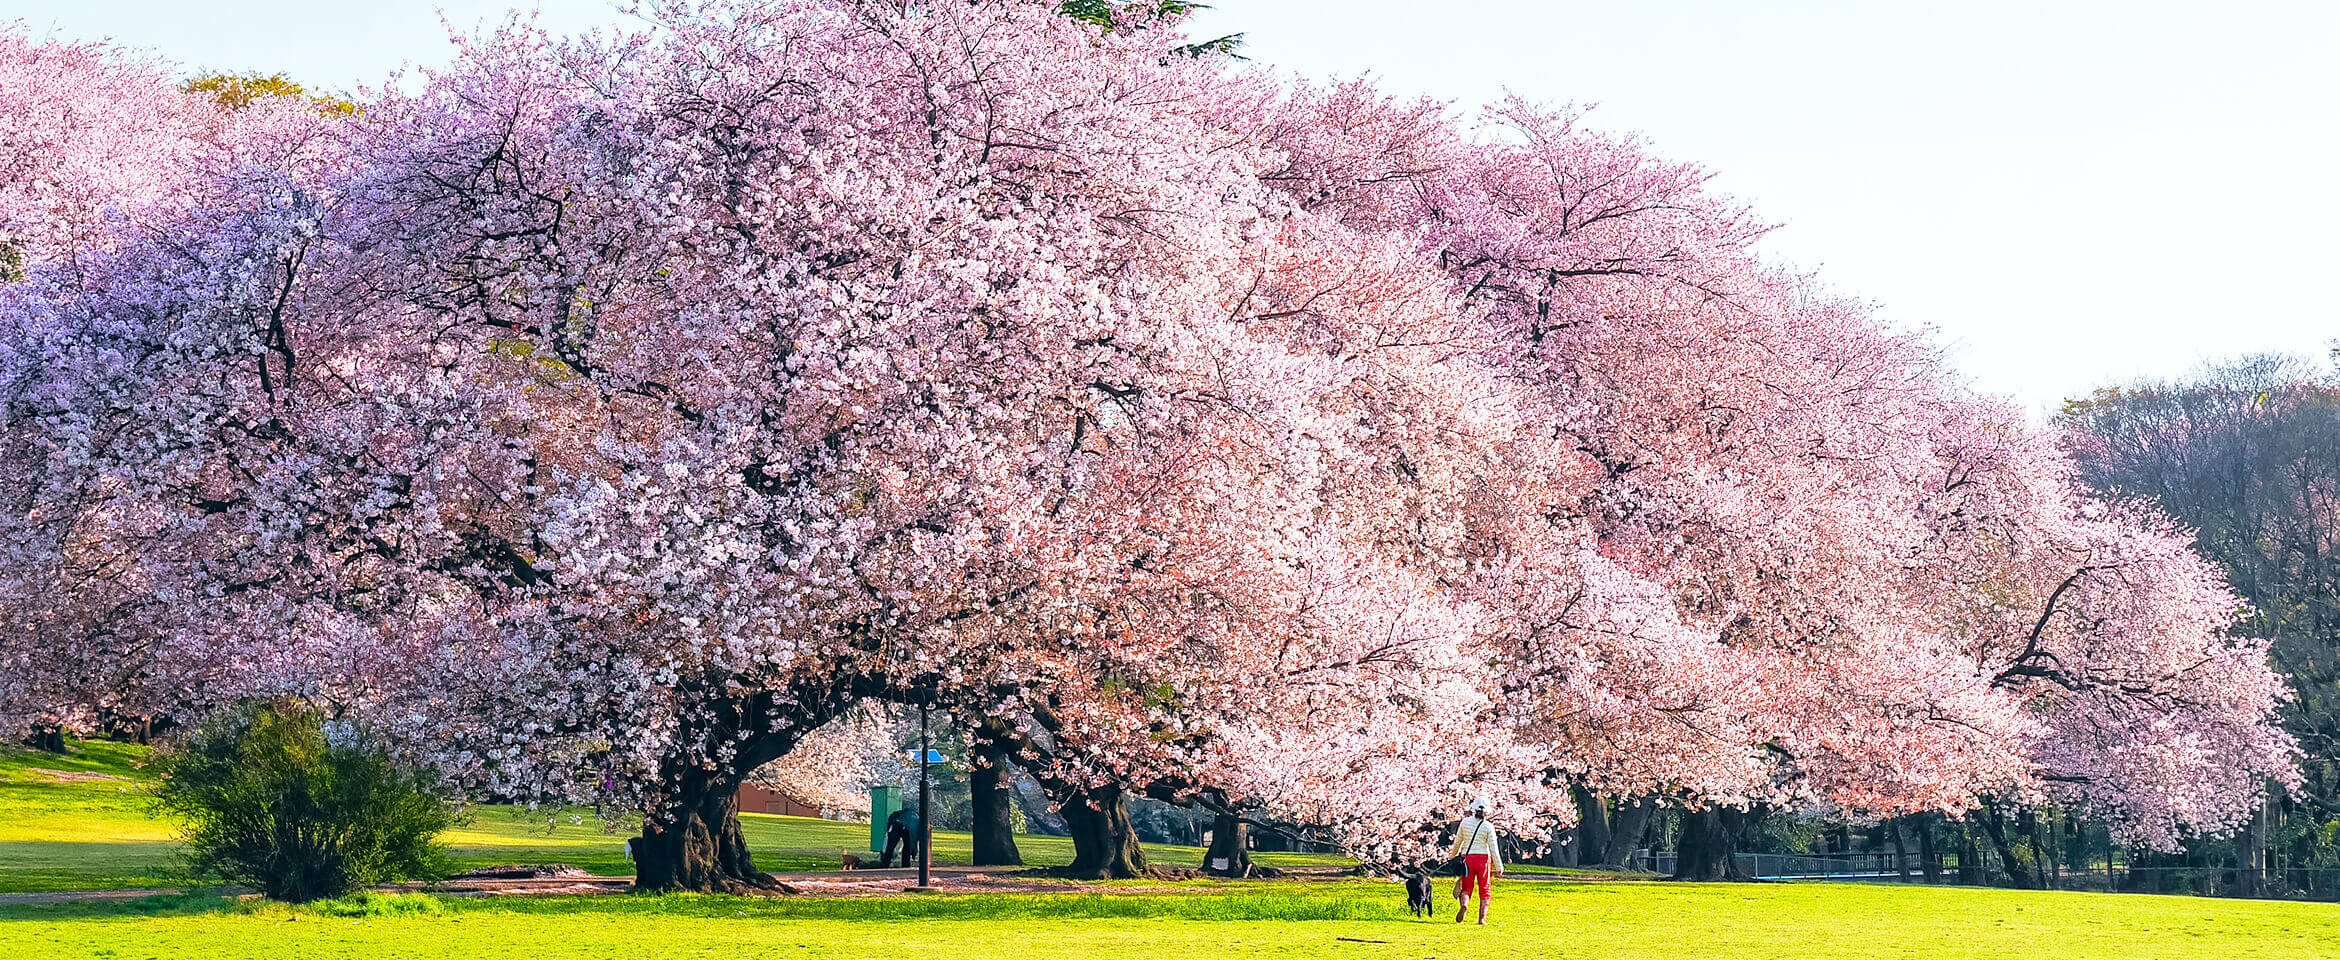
850 861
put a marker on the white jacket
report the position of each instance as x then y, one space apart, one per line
1476 835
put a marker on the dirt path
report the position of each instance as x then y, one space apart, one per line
857 883
72 896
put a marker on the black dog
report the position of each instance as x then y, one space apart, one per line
1417 890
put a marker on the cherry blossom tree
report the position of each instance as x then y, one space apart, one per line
834 766
97 140
1741 571
607 417
96 147
2244 453
89 134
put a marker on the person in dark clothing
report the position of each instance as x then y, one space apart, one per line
901 834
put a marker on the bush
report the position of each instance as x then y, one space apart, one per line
272 802
367 904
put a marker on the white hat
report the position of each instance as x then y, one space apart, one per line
1479 806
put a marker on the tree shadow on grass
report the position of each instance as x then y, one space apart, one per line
159 905
1265 903
32 866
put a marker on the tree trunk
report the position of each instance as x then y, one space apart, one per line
1626 830
1592 824
2043 835
697 847
1710 837
49 739
1900 849
2022 870
2250 872
1929 849
693 842
1564 850
1105 845
1230 852
1970 865
988 791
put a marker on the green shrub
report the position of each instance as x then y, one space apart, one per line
271 802
370 904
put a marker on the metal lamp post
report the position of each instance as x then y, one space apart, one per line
925 802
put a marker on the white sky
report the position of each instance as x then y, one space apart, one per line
2070 192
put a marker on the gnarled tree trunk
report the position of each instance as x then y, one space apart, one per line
1710 838
698 847
988 790
693 842
1230 851
1626 828
2021 865
1105 844
1592 825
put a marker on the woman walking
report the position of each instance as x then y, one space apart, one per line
1475 841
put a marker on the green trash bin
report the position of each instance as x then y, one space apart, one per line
883 801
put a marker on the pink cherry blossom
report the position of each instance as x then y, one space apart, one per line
606 418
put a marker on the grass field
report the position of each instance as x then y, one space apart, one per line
97 832
1596 921
62 833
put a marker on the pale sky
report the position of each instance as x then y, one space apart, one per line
2071 193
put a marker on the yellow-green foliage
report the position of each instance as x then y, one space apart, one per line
237 91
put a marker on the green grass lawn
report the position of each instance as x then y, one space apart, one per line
1595 921
100 834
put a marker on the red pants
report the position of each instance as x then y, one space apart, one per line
1475 870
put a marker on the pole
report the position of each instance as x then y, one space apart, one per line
925 804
